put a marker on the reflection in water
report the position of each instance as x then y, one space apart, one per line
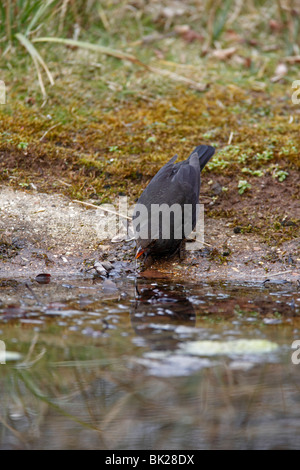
156 312
82 382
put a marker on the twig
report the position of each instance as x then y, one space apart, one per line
102 209
63 182
33 294
123 56
292 59
177 65
193 239
27 365
178 78
230 138
50 129
151 38
277 274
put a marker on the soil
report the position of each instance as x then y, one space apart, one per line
49 233
114 151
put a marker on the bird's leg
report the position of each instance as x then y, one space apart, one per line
148 260
137 294
180 251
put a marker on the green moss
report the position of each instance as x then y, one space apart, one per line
108 128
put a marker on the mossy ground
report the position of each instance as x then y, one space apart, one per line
108 126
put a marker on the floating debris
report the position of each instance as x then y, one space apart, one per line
239 346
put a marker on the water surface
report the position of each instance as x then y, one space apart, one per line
98 366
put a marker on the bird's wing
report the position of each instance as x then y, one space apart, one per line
187 176
166 169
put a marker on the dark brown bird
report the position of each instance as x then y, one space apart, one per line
166 212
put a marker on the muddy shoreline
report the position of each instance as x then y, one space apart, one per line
50 233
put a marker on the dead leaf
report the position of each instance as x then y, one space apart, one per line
270 48
275 26
224 54
188 34
232 35
174 10
293 59
159 54
280 72
244 61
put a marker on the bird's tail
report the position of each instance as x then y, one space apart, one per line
204 152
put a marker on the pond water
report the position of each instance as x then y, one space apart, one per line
88 364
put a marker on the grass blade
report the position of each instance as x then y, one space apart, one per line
37 59
39 13
8 20
178 78
94 47
124 56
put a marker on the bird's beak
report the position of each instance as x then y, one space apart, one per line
139 253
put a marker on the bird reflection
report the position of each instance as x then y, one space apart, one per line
157 314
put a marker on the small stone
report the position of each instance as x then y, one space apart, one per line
109 286
217 188
100 269
107 265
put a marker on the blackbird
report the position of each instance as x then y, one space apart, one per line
166 212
